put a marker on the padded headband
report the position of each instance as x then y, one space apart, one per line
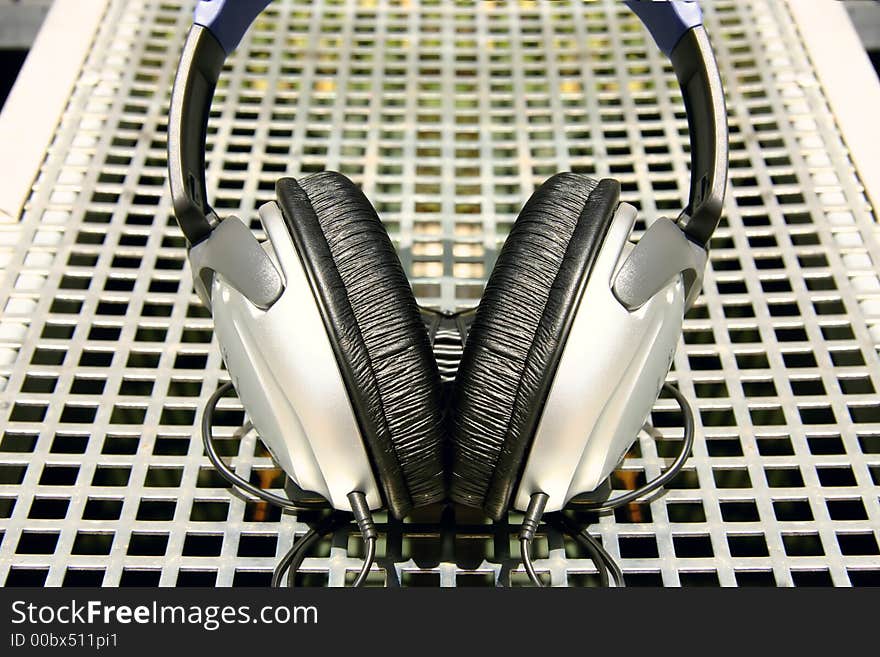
219 25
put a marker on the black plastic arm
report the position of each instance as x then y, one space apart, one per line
700 83
200 66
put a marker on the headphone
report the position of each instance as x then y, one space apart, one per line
326 347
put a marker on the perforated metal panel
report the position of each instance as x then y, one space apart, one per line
448 114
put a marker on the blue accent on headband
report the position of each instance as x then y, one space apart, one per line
667 21
228 20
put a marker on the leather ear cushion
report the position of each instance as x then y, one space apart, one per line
519 332
380 340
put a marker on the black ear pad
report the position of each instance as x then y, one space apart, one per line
380 340
519 332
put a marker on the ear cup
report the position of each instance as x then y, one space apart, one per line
519 332
380 340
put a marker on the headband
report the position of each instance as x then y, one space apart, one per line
219 25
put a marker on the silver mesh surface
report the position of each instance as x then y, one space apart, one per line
448 114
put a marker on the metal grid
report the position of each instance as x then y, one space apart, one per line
448 114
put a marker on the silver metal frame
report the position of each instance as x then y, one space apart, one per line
850 83
448 116
38 98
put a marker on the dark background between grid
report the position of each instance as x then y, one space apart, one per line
448 114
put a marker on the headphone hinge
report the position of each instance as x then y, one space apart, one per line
663 252
232 251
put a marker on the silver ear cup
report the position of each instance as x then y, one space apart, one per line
284 370
607 380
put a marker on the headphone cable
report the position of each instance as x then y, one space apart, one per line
634 496
527 530
293 560
599 555
604 562
328 524
295 556
228 474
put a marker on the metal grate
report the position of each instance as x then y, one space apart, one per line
448 114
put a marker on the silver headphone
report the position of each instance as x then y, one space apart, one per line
567 353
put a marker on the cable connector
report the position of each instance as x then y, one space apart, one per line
362 515
364 519
534 513
527 531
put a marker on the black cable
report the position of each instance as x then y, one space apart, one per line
290 563
225 472
664 477
369 558
527 534
295 556
364 519
603 561
596 555
610 563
